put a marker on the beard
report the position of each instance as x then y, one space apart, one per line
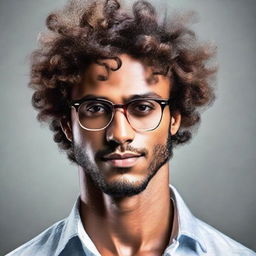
161 155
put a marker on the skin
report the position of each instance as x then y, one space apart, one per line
128 225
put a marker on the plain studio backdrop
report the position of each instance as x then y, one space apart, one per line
215 173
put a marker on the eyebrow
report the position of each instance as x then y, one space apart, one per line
132 97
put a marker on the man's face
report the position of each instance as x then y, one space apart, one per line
147 151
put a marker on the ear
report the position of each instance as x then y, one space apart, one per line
175 122
66 128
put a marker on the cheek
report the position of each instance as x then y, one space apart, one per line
87 140
149 140
160 134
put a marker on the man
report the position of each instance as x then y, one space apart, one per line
119 90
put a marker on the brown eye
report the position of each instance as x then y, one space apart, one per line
96 109
141 108
93 109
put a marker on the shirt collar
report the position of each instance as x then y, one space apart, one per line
70 228
188 225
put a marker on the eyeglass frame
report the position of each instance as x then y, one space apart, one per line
77 103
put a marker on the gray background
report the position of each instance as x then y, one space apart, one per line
215 173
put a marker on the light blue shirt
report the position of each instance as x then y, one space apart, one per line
194 237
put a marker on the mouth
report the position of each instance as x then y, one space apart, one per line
124 160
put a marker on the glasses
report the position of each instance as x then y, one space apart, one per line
96 114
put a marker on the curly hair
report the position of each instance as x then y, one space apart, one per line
85 31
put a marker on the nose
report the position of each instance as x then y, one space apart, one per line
119 130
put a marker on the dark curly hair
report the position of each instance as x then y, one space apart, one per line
86 31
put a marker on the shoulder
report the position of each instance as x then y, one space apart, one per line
42 245
220 244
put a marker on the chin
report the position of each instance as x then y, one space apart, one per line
125 185
119 189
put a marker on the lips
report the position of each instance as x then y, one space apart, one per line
120 156
123 160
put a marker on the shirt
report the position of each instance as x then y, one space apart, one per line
190 237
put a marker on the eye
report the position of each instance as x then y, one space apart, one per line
93 109
96 108
141 108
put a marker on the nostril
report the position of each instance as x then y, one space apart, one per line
112 143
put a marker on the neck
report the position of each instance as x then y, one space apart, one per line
129 225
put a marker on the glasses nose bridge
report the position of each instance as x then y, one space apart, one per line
122 106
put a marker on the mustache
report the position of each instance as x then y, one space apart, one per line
141 151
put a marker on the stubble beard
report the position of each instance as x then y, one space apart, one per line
161 152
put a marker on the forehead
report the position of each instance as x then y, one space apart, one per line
132 78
